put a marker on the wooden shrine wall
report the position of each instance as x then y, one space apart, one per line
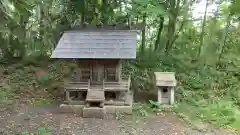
97 70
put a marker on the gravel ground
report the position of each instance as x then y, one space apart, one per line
29 119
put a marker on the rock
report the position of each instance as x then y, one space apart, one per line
101 105
27 117
1 130
2 109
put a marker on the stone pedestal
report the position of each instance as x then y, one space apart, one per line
172 96
120 109
65 108
93 112
96 102
166 97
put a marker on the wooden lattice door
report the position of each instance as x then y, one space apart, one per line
85 72
110 72
97 73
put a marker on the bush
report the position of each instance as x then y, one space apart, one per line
45 79
141 71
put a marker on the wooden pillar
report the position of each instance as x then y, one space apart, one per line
159 95
90 66
98 72
94 73
105 71
171 95
119 69
117 72
78 72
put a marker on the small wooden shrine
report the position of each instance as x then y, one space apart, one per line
165 82
98 86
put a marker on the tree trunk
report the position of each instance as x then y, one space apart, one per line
105 14
83 12
174 10
4 48
143 33
201 48
224 37
41 30
22 42
159 33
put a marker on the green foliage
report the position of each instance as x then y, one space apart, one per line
5 96
142 71
53 74
45 79
43 131
41 102
40 131
155 104
142 110
118 115
24 133
153 8
35 59
234 7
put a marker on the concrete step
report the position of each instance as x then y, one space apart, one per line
94 112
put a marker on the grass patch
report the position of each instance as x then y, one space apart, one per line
144 110
40 102
221 114
6 95
39 131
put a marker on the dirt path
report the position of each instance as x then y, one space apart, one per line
29 119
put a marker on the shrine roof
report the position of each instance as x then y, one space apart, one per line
97 44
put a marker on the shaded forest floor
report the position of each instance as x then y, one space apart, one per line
27 93
28 118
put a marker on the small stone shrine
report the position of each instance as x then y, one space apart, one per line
97 86
165 82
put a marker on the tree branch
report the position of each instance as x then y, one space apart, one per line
177 34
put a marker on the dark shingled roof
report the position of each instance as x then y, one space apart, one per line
98 44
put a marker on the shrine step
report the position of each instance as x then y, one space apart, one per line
93 112
95 96
76 86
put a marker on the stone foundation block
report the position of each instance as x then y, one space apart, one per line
93 112
120 109
65 108
129 99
